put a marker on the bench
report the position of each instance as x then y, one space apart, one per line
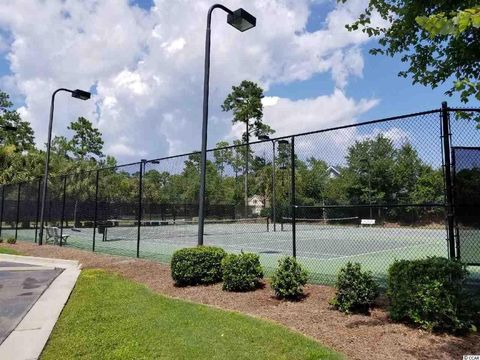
55 233
370 222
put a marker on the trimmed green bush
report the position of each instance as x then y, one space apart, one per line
356 289
289 279
198 265
241 272
430 293
11 240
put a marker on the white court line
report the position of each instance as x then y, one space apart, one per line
375 252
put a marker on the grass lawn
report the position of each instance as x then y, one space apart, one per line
108 317
8 251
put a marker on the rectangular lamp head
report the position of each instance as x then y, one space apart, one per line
80 94
283 142
263 137
241 20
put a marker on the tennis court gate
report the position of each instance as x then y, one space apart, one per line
370 192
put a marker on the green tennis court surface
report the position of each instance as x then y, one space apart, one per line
322 249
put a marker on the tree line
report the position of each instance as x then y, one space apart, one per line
375 172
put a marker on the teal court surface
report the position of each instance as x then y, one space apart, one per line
323 249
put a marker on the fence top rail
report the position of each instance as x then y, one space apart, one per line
392 118
464 109
364 123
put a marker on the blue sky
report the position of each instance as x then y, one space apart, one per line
145 67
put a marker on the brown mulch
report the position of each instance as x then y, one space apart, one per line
357 336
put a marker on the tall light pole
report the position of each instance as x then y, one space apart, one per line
242 21
78 94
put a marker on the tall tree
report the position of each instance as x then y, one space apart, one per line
438 40
87 140
245 101
371 165
22 137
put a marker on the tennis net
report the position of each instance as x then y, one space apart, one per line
319 224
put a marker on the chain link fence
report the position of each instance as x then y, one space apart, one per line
399 188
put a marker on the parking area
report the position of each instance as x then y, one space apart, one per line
21 285
33 292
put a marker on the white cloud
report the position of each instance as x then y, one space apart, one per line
291 117
147 67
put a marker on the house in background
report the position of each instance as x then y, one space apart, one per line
332 172
256 203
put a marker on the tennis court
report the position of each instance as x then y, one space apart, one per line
323 248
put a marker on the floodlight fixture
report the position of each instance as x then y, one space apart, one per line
81 94
263 137
283 142
241 20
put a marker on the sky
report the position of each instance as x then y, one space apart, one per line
143 62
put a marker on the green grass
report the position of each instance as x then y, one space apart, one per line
108 317
8 251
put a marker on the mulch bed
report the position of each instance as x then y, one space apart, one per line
357 336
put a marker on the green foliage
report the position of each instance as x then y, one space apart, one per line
454 23
11 240
438 40
1 240
22 137
241 272
289 279
198 265
222 156
430 293
356 289
87 140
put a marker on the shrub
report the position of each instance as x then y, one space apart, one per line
1 240
241 272
430 293
11 240
289 279
356 289
198 265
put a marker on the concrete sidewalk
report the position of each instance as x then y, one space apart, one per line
29 337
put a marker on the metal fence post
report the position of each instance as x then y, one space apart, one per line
96 210
455 220
273 204
18 209
448 179
62 217
292 196
38 208
139 215
1 210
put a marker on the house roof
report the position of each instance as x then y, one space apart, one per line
332 169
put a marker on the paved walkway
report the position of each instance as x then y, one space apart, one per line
33 292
